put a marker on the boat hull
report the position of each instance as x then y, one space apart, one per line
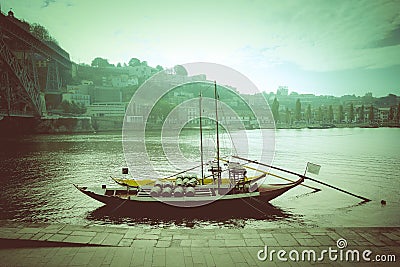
251 203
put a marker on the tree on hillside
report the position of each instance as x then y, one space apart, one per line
159 68
308 113
297 113
330 114
275 110
41 33
398 114
340 114
371 114
351 113
180 70
320 116
119 65
100 62
391 114
133 62
288 116
362 115
72 107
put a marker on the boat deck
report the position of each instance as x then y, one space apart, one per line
204 192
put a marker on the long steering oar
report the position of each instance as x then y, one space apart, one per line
301 175
277 176
283 178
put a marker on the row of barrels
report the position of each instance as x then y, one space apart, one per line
168 191
183 186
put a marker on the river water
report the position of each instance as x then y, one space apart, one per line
38 172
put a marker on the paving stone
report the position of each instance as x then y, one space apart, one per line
308 242
81 258
285 239
80 239
325 240
131 234
64 232
108 258
228 236
125 242
28 230
235 243
147 236
138 256
112 239
178 236
393 236
186 243
57 238
144 243
26 236
254 242
303 235
163 244
270 241
45 237
98 238
216 243
85 233
188 261
165 238
98 256
122 257
199 243
52 228
198 258
251 235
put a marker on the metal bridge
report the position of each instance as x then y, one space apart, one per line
29 68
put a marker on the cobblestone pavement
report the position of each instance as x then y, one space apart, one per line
75 245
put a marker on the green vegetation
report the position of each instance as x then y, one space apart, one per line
275 110
72 108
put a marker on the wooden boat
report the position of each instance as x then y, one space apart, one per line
205 197
208 193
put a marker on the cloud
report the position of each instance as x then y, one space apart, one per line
334 35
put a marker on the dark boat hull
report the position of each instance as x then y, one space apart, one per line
232 205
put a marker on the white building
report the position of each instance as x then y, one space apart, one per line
107 109
76 98
282 90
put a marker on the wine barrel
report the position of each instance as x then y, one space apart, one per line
178 181
166 192
155 191
192 182
189 192
185 181
178 191
158 183
167 184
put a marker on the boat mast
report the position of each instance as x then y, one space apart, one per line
201 143
217 133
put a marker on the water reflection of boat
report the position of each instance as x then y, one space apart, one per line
266 212
177 194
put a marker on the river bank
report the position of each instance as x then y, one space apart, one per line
68 245
66 125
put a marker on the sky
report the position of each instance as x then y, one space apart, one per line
322 47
